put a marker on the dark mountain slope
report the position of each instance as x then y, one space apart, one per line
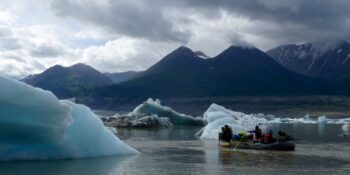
67 82
236 71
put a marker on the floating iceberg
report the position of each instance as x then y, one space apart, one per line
154 108
218 116
153 121
34 125
346 127
322 120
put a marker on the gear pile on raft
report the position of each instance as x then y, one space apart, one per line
255 140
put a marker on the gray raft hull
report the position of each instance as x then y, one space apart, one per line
277 146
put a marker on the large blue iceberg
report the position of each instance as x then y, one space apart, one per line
35 125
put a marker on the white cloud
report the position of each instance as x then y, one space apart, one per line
126 54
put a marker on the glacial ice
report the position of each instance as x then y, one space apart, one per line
322 120
218 116
154 108
35 125
127 121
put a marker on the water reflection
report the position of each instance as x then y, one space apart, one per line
178 151
91 166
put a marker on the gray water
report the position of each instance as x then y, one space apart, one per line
177 151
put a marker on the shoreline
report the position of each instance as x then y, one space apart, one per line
281 106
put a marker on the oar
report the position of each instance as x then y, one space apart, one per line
234 149
239 141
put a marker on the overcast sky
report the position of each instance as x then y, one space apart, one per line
121 35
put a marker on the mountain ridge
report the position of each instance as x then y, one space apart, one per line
328 61
66 82
183 74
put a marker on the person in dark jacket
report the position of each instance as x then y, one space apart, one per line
226 134
221 134
257 132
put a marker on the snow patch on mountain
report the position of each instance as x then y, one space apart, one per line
202 55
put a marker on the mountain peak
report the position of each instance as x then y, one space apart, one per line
234 50
245 47
183 49
181 52
56 66
80 65
64 81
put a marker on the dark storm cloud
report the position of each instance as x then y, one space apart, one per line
308 19
279 21
135 18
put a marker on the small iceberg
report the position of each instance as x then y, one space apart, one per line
218 116
154 108
126 121
322 120
35 125
346 127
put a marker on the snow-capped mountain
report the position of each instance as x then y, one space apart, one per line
329 60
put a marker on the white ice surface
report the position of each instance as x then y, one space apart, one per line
154 108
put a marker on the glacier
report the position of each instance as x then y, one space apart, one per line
154 108
35 125
217 116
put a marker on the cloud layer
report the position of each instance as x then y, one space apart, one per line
118 35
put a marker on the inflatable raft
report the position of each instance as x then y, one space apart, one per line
276 146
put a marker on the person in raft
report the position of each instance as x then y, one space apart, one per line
226 134
258 133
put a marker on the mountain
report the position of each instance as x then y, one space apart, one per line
67 82
174 75
329 60
236 71
249 71
119 77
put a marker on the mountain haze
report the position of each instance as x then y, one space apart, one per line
119 77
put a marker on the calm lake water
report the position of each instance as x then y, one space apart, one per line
177 151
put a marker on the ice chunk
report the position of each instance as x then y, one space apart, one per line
322 120
218 116
152 121
346 127
34 124
154 107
